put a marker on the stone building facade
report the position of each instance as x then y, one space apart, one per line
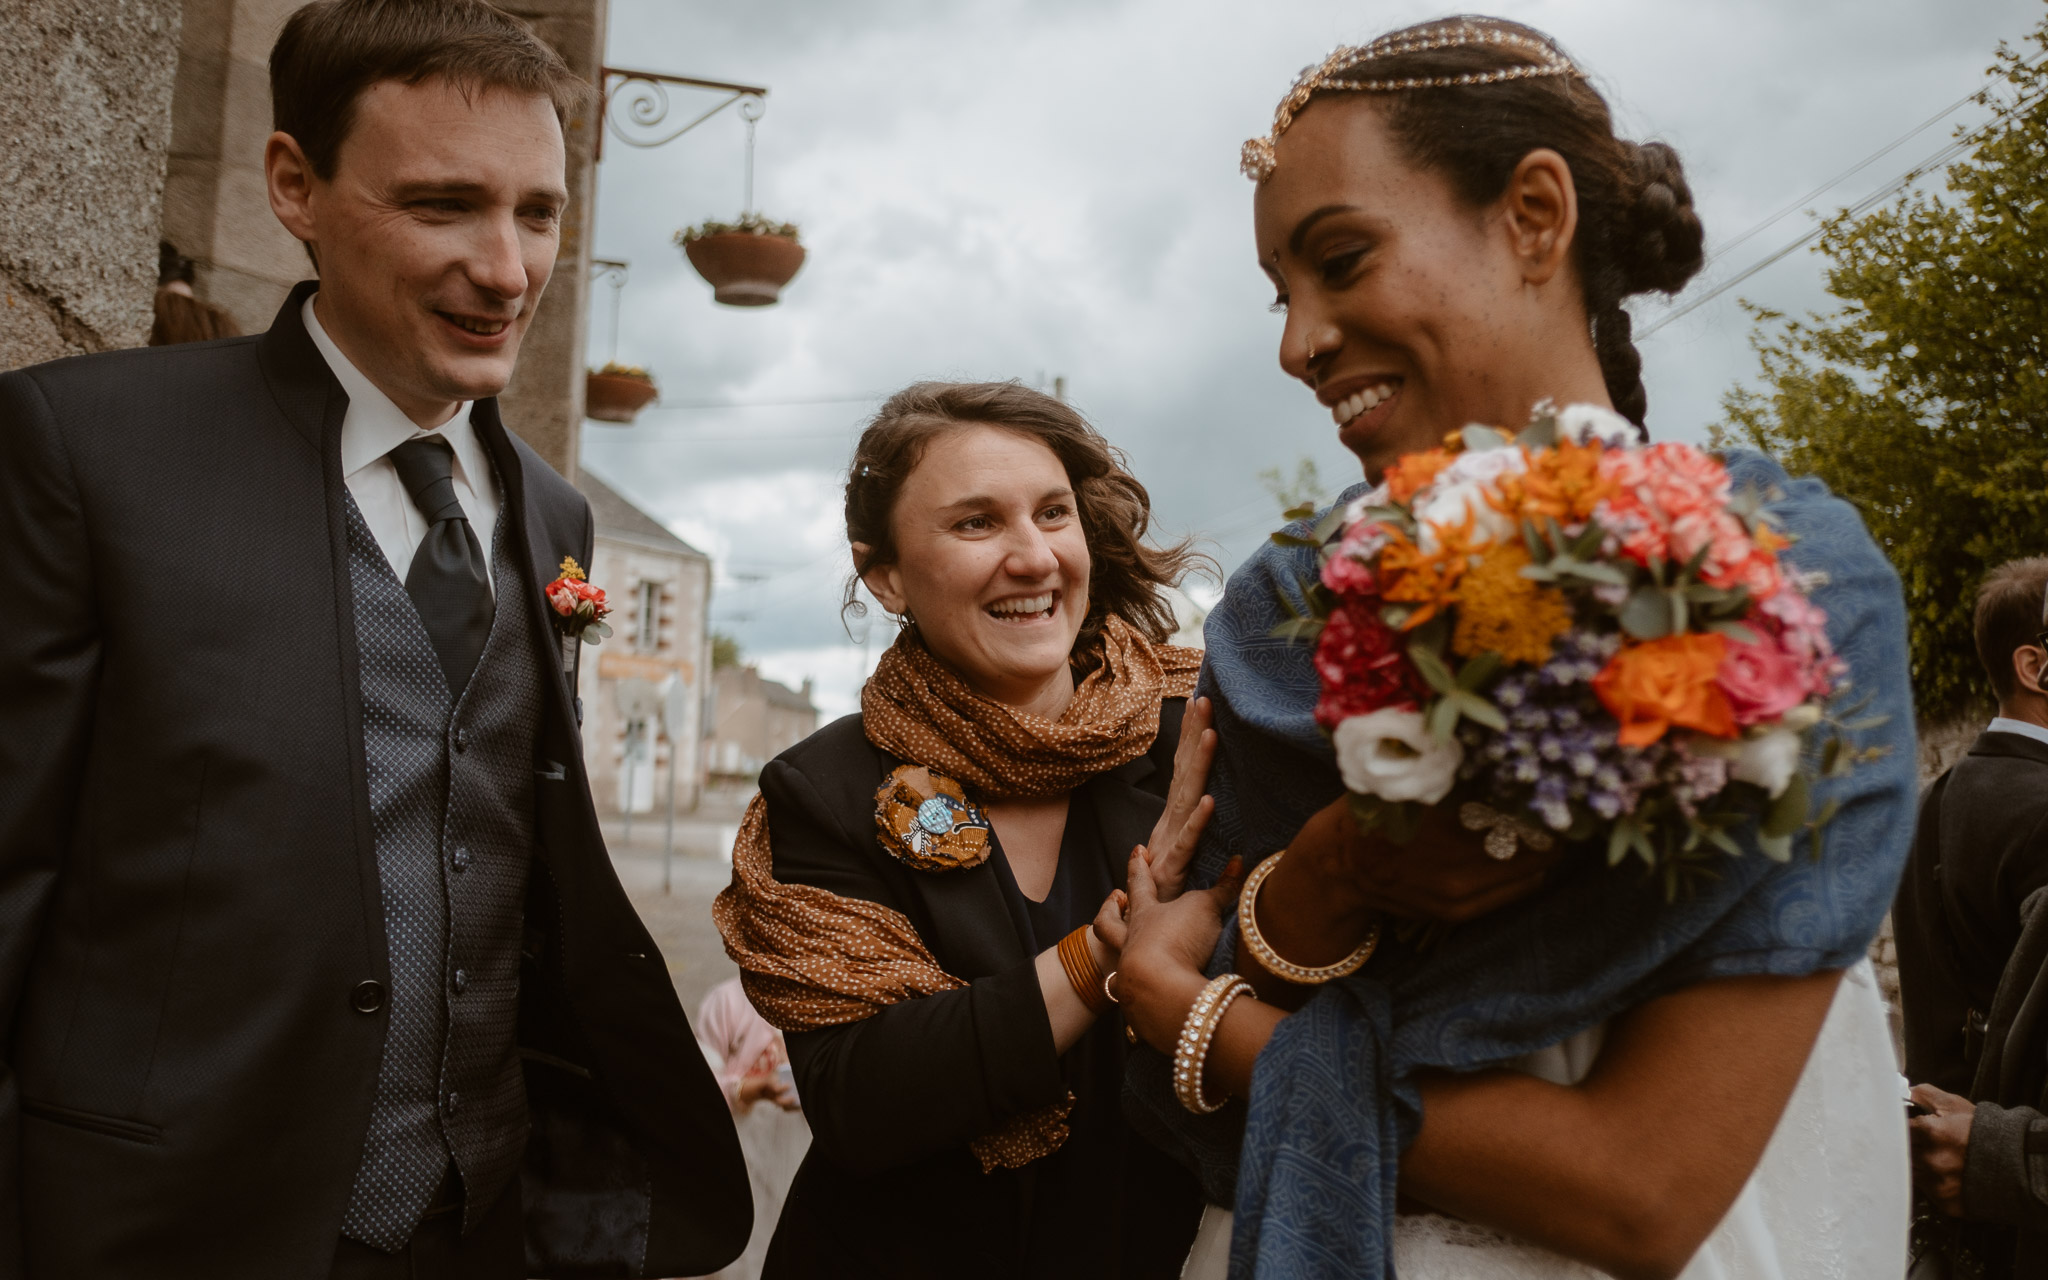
644 689
133 121
751 720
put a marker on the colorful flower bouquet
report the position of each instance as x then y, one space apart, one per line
1576 637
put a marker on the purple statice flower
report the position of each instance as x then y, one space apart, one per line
1558 756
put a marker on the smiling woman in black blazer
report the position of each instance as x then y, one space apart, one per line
913 889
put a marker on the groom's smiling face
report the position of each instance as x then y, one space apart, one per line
435 235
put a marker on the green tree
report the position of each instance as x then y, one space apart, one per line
1923 400
725 651
1304 490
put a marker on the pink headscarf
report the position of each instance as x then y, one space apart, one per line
742 1039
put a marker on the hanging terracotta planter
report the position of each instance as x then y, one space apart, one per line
747 262
617 392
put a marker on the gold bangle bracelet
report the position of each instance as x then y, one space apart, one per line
1271 960
1191 1051
1082 972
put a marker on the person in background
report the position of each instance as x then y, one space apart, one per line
918 890
1972 927
180 315
752 1065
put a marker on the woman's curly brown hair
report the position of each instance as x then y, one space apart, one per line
1125 575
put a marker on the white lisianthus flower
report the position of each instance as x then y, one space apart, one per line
1768 759
1388 753
1585 423
1461 489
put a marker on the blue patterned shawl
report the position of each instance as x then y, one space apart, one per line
1312 1163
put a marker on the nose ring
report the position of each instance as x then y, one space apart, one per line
1311 352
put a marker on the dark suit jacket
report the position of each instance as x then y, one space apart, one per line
1981 847
888 1187
188 886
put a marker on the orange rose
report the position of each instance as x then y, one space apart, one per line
1653 686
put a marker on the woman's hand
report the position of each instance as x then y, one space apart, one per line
1941 1142
1187 812
1166 946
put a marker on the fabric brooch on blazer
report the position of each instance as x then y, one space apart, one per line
927 821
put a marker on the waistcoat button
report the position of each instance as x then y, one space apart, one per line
368 997
461 981
460 858
454 1103
460 743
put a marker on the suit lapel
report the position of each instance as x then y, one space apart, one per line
530 549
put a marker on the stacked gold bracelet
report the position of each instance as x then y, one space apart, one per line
1191 1051
1083 973
1262 951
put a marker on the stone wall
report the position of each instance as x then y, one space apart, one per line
85 111
216 206
544 404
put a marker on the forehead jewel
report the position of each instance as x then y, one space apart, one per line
1258 158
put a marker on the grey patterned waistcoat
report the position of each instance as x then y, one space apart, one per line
451 810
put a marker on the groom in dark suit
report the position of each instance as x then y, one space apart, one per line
312 962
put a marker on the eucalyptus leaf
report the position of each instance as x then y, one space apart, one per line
1479 710
1776 848
1540 434
1734 631
1726 843
1588 541
1432 668
1618 840
1533 539
1681 614
1692 566
1442 719
1475 674
1788 812
1302 512
1298 629
1647 615
1612 575
1866 723
1327 527
1282 538
1541 572
1477 438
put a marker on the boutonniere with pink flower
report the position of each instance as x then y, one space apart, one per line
579 605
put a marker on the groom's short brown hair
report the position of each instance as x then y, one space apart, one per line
332 50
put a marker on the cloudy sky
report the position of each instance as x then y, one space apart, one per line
1041 188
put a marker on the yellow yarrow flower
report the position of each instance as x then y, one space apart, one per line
1502 611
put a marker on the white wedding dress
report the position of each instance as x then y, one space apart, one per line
1830 1199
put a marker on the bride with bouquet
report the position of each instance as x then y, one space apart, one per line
1559 780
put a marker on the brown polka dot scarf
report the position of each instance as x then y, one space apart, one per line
812 959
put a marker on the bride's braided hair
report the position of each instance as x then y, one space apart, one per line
1457 101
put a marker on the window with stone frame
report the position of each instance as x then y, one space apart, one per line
647 629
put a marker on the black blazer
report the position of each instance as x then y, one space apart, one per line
188 885
1981 847
893 1100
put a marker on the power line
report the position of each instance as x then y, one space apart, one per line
1935 161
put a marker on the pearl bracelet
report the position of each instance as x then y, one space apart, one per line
1191 1051
1262 951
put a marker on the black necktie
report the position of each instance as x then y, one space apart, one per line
447 581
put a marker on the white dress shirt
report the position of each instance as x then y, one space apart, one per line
2024 728
372 429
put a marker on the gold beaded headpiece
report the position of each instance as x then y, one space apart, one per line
1259 159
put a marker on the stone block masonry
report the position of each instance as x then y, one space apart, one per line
85 123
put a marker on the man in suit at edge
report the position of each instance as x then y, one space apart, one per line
1972 930
312 962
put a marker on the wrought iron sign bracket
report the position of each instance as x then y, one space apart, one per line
642 98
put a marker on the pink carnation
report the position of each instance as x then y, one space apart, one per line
1762 680
1800 628
1349 576
1670 501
